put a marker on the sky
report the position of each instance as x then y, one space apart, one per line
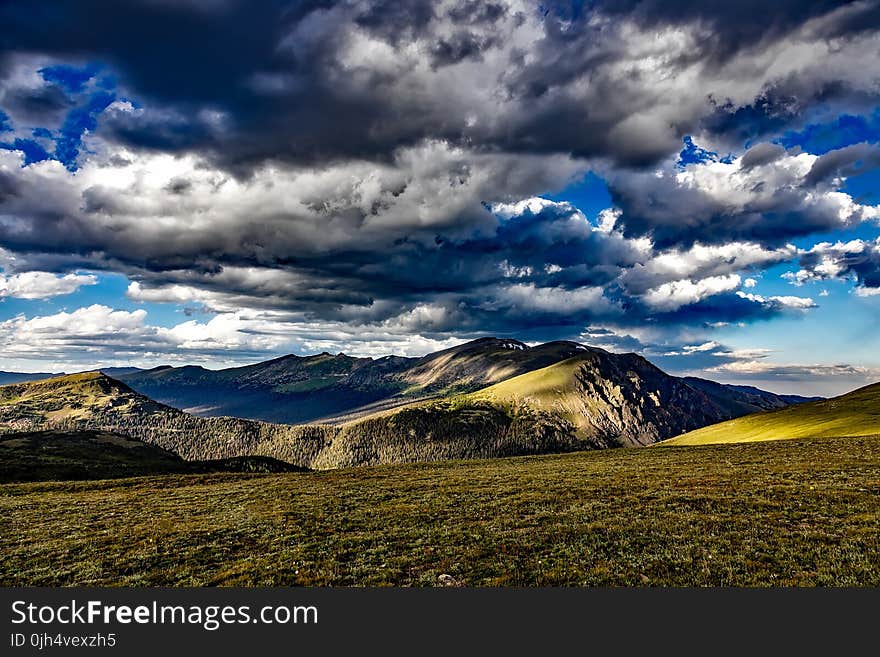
219 182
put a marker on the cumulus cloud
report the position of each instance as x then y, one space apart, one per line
358 241
42 285
138 213
810 378
761 367
89 331
99 334
702 261
792 302
362 79
674 295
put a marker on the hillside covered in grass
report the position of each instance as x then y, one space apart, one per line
854 414
589 401
625 401
786 513
436 431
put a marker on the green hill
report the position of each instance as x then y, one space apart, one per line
854 414
69 397
592 399
598 400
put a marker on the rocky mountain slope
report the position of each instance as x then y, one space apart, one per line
483 399
427 431
561 408
609 400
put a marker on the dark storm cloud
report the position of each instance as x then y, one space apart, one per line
844 162
363 161
733 24
761 154
460 46
767 196
278 72
8 186
46 105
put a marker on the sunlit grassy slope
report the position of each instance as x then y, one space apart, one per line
624 402
551 389
854 414
794 512
543 388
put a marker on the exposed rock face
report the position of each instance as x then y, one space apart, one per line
608 400
628 401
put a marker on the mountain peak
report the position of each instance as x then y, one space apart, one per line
490 343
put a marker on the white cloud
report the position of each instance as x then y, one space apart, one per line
529 297
85 332
791 302
703 261
747 199
42 285
672 296
769 369
705 346
99 335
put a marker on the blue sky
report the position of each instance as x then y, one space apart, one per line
298 179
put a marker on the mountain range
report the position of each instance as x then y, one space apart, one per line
490 397
19 377
330 388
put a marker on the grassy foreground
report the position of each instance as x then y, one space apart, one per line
798 512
